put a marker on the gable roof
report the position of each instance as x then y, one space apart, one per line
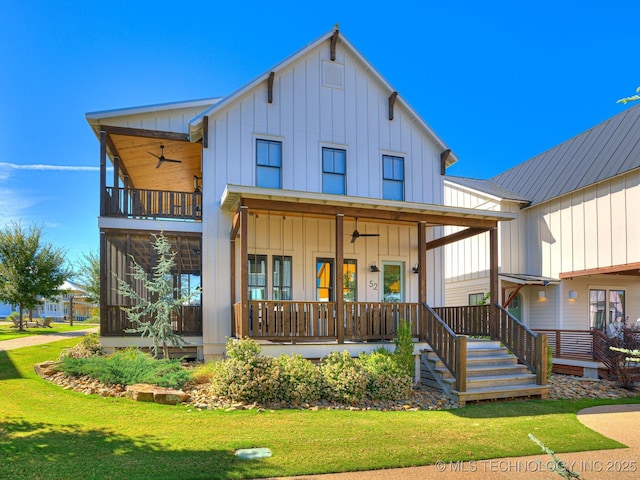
195 124
486 187
604 151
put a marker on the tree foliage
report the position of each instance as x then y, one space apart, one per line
633 98
156 300
88 273
29 269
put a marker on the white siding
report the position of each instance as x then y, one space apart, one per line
176 120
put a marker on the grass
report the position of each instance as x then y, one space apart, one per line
47 432
7 332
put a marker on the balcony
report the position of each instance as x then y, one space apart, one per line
152 204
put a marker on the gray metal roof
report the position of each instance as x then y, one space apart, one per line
486 186
526 279
604 151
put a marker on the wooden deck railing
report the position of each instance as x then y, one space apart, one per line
153 204
576 344
451 348
186 321
305 320
528 346
467 320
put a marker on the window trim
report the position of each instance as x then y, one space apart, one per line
268 140
323 171
281 287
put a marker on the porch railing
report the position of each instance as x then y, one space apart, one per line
304 320
152 204
450 348
186 321
528 346
577 344
466 320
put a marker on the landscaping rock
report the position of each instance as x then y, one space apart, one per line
46 369
141 392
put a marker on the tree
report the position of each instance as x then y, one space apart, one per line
29 269
88 273
152 310
630 99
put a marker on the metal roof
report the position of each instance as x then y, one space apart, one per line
526 279
604 151
487 187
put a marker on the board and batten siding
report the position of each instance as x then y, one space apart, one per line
591 228
469 259
310 111
169 120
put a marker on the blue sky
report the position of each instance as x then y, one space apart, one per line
499 81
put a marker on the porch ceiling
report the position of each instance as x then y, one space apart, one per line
141 167
361 207
526 279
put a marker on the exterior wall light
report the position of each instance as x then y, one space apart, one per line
542 295
374 267
573 295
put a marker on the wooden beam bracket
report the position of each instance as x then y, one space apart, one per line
270 87
334 42
392 102
444 156
205 131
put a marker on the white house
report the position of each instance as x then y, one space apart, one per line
570 263
308 205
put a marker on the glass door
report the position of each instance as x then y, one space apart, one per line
606 308
393 282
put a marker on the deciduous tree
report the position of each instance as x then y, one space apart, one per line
29 269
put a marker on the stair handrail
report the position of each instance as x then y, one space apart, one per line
530 347
449 347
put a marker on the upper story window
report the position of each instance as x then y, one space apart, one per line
334 163
392 177
268 163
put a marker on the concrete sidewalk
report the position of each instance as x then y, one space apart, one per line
42 339
618 422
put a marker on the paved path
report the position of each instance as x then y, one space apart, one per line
619 422
42 339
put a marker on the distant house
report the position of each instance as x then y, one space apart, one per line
570 262
308 206
72 301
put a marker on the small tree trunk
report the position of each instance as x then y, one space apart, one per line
21 328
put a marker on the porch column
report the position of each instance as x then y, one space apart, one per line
422 278
232 289
340 277
244 270
103 171
493 282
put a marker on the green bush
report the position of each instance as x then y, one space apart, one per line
243 350
345 379
404 348
300 380
127 367
386 381
89 346
252 381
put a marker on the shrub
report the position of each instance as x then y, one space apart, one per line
345 379
89 346
300 380
404 348
127 367
386 379
244 350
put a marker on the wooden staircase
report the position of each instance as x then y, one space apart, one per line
492 372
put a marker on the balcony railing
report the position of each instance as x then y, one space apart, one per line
152 204
187 321
577 344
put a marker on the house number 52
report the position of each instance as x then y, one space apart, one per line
373 285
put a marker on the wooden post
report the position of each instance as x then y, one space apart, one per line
461 363
493 282
244 271
232 289
340 277
104 286
541 358
422 277
103 171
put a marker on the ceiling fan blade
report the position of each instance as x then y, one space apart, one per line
171 160
353 238
369 235
159 163
151 153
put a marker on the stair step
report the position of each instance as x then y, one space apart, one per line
499 380
495 369
511 391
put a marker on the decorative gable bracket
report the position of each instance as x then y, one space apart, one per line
270 87
392 102
334 41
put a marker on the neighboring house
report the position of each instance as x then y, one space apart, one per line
72 301
6 309
308 205
570 263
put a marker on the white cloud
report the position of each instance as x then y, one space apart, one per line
16 166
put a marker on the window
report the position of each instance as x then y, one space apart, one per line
606 309
476 299
324 280
281 277
350 281
392 177
257 277
268 163
333 171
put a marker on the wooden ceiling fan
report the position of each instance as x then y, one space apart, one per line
161 158
356 234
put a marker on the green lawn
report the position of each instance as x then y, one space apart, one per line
7 332
47 432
